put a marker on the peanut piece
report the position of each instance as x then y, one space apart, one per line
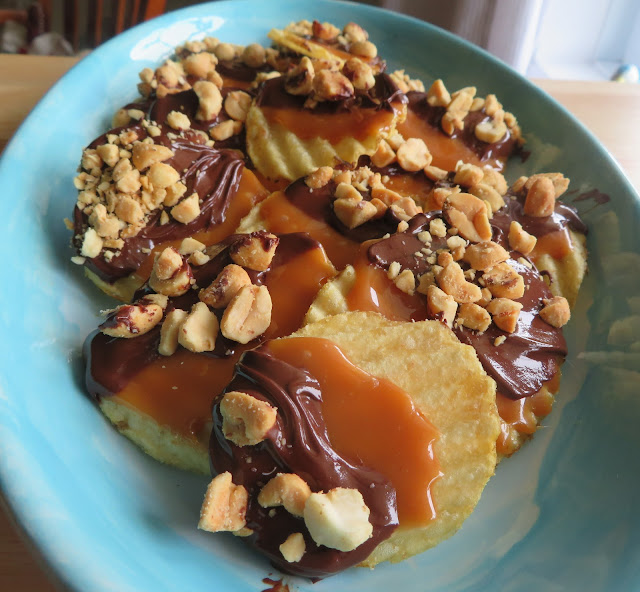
187 210
473 317
541 198
254 55
504 282
132 320
354 213
484 255
469 215
169 331
248 315
224 130
143 155
293 548
413 155
319 178
556 311
438 95
199 330
452 281
237 104
171 274
338 519
224 288
91 244
254 251
224 506
210 100
299 81
468 174
285 489
505 313
245 419
440 304
520 240
383 156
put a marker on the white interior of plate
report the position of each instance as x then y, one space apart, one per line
560 515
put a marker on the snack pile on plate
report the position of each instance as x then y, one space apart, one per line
333 301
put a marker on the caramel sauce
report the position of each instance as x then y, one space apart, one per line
280 215
446 151
372 420
360 124
416 186
235 83
522 415
556 243
199 378
250 193
373 292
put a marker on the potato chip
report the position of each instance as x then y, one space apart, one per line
449 386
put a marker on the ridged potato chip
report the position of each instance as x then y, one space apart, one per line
449 386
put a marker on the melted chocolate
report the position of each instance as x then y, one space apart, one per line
318 204
213 174
113 362
564 216
382 96
433 115
298 443
531 355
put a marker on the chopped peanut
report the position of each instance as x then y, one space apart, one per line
556 311
285 489
248 315
245 419
505 313
293 548
255 251
520 240
225 505
338 519
169 331
473 317
199 330
504 282
225 287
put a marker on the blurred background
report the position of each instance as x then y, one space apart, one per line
557 39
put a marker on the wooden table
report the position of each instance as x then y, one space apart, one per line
610 110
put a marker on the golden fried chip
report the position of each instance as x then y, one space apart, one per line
449 386
158 441
278 153
568 272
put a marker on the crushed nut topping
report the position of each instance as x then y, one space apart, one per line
224 506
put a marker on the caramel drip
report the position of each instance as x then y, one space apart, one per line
358 408
281 215
423 121
374 292
521 416
446 151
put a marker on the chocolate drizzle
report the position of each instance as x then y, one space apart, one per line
432 115
113 362
298 443
318 204
531 355
382 95
564 216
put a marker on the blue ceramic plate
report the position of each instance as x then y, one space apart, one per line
561 515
